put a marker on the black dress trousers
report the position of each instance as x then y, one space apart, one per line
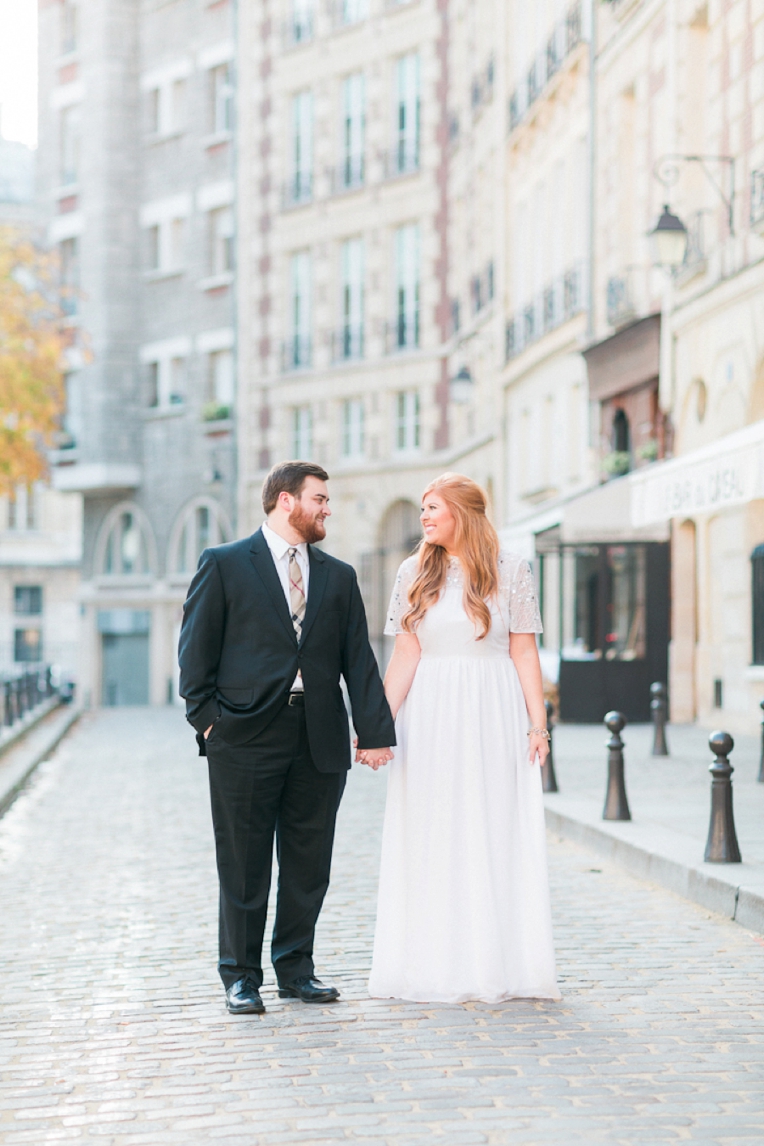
270 786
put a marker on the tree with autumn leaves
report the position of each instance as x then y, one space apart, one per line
32 345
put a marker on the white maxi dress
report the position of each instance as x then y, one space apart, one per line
463 910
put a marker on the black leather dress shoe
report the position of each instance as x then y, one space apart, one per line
243 998
309 990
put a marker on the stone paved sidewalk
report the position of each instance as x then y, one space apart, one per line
112 1027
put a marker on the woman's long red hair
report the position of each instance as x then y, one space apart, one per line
477 545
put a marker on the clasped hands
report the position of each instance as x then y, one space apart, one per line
374 757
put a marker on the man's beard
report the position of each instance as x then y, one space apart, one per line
311 529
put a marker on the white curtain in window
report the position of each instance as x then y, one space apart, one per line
302 433
352 296
300 305
353 428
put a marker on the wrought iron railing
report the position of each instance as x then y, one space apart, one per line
296 352
298 189
619 299
560 300
348 342
22 693
564 38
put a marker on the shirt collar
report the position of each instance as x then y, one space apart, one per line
279 546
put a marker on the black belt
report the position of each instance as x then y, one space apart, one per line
296 698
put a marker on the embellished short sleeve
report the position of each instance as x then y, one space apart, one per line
517 589
399 600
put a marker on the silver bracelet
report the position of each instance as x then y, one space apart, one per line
544 733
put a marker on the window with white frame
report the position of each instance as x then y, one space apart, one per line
221 98
406 333
302 433
351 11
221 381
353 130
221 240
69 144
407 124
126 551
165 226
302 21
165 365
166 93
352 329
407 423
299 346
23 507
353 429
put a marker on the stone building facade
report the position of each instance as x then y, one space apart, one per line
136 176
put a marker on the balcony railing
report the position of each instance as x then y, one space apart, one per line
348 342
403 159
559 301
298 30
349 174
296 353
402 333
757 199
620 304
564 38
298 189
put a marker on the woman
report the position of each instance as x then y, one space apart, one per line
463 908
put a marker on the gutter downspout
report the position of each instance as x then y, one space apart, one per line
592 164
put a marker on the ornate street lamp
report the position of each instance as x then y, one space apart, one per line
668 240
462 386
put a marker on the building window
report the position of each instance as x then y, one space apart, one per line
221 95
302 21
407 286
351 11
126 552
69 28
27 600
202 527
299 346
757 600
166 245
27 646
352 332
302 433
407 424
301 182
69 138
221 240
353 429
407 113
22 508
166 382
353 129
221 379
621 435
455 316
69 260
166 106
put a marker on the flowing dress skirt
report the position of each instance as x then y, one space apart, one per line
463 909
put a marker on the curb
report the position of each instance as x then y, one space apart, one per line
743 904
8 797
27 723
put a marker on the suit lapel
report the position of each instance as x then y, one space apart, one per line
262 560
316 586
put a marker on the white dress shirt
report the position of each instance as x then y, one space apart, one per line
280 553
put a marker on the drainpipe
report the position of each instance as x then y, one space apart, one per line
592 164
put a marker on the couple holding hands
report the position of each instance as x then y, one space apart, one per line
271 624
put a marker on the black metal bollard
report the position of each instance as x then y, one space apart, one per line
548 778
761 761
616 804
722 845
659 711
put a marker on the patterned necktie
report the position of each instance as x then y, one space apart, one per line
296 592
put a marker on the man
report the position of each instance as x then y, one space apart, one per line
270 624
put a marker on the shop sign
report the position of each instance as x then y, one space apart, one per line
730 474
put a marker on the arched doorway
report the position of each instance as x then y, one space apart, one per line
397 537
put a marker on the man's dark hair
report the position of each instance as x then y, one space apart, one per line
289 477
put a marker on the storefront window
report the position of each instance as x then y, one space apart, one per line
607 605
757 603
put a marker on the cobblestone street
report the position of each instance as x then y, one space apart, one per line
113 1028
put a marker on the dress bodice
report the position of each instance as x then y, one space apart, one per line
446 629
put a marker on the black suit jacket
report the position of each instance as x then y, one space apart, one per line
239 654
